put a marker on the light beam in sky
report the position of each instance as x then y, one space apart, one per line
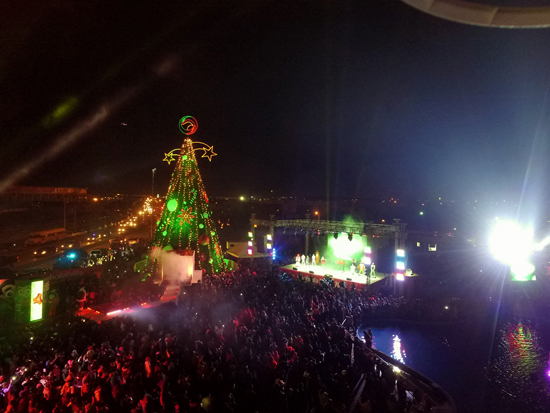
64 141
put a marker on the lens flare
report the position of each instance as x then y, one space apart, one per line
64 141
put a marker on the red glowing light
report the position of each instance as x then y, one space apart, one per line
188 125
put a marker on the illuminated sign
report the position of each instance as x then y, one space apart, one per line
37 291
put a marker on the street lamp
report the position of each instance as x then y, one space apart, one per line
153 185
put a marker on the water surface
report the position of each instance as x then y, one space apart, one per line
484 368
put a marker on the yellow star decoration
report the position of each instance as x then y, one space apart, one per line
208 153
169 157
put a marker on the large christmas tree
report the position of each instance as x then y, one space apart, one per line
186 222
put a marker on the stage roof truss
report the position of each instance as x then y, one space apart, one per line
315 225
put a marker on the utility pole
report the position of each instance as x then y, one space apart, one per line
153 195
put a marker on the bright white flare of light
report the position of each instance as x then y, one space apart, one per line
522 270
509 243
344 248
540 246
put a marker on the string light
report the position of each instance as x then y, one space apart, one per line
186 216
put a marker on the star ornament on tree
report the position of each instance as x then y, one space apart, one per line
169 157
187 215
208 153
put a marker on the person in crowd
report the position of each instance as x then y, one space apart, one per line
245 341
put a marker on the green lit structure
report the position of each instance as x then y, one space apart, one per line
186 222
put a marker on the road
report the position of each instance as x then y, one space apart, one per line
27 259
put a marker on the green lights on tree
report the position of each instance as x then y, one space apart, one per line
172 205
186 221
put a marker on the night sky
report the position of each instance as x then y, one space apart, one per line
314 98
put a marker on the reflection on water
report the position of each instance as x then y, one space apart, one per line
398 352
516 373
516 380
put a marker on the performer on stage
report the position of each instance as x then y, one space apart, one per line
302 260
323 262
313 259
352 269
298 259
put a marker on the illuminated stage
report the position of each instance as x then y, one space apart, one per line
318 272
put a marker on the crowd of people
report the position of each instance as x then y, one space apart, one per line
246 341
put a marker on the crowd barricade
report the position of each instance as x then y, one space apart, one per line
442 401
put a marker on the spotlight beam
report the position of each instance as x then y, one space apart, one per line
64 141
